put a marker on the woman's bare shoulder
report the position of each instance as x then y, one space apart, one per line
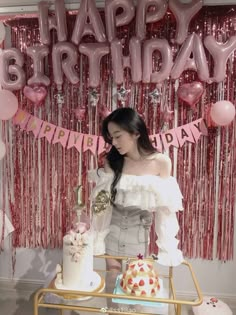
163 163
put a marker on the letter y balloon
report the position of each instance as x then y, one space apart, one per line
183 13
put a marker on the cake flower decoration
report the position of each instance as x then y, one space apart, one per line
77 241
80 227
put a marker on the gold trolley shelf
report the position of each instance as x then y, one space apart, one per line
102 302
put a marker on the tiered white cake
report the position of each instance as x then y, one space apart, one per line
77 271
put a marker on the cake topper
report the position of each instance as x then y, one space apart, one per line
140 256
79 206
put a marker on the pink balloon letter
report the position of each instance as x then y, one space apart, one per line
164 48
220 53
143 16
38 53
82 27
95 52
57 22
112 21
192 45
16 69
66 65
119 62
183 13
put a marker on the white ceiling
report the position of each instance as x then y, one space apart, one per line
21 6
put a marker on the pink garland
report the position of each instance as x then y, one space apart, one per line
40 177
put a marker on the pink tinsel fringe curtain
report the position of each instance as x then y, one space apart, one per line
39 177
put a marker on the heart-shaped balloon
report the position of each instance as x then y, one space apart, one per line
190 92
80 113
36 93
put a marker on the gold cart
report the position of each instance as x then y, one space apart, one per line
103 302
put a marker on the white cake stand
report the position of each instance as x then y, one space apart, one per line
97 285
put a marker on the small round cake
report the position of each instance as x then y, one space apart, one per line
140 279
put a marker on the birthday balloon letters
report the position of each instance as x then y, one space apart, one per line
191 54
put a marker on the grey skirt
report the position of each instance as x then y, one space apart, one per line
129 232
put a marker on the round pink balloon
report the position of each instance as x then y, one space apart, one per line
222 113
8 104
2 149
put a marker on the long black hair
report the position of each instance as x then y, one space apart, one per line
129 120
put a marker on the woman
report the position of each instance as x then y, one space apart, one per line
134 183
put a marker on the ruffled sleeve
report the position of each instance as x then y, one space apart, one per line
169 194
101 208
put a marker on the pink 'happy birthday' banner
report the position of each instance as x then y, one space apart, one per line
82 142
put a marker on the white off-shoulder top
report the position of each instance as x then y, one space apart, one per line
146 192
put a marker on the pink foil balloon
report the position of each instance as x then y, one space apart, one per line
57 22
222 113
143 16
8 104
38 53
113 20
183 13
7 69
95 26
190 92
163 47
36 94
192 46
62 64
220 53
94 52
120 62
